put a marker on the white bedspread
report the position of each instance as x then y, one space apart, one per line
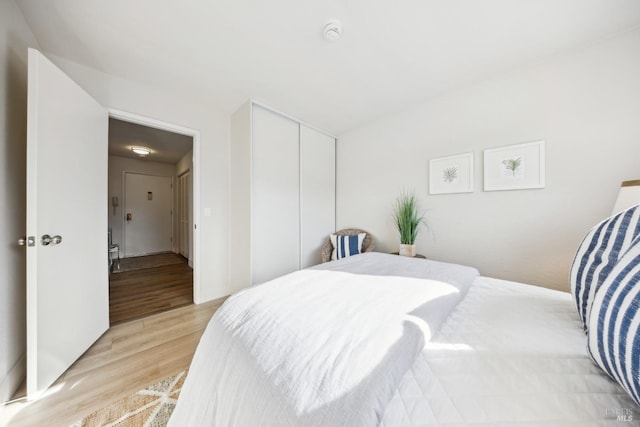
315 348
509 355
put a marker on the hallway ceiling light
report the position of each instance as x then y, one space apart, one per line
142 152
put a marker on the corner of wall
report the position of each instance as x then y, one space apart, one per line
12 381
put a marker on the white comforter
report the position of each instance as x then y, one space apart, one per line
317 347
509 355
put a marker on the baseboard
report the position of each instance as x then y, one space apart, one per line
13 380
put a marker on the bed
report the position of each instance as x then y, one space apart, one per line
382 340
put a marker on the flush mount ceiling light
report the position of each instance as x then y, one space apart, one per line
142 152
332 30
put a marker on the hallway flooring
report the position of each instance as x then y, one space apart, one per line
143 292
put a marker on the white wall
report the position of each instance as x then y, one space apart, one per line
185 163
117 167
15 38
585 104
213 126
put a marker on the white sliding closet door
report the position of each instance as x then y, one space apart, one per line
275 196
317 193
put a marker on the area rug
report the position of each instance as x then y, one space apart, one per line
147 261
151 406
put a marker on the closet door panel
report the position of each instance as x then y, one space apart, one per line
317 193
240 199
275 195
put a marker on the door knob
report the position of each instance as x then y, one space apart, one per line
46 240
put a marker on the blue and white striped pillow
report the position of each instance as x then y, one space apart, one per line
344 246
598 253
614 326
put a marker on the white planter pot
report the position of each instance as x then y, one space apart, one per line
408 250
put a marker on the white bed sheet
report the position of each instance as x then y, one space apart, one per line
317 347
509 355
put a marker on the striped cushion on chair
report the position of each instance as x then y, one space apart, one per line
598 253
614 326
344 246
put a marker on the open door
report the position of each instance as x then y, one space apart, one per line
67 265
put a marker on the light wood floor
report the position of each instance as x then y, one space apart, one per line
140 293
125 359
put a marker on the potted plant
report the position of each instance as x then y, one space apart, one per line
407 221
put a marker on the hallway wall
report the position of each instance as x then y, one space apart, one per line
117 167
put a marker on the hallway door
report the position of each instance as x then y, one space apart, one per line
148 214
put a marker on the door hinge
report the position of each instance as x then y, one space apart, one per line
27 241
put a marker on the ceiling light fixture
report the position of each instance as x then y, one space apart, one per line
142 152
332 30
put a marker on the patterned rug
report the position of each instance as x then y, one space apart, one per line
151 406
147 261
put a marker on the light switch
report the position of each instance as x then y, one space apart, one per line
207 211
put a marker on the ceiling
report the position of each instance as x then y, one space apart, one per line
393 54
164 146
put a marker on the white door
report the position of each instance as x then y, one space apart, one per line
275 207
184 205
317 193
67 276
148 219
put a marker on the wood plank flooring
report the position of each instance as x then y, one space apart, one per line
139 293
125 359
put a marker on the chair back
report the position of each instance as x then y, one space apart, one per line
367 245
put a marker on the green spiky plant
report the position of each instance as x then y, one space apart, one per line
406 218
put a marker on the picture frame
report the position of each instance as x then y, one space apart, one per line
515 167
451 174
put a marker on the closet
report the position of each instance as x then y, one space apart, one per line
282 202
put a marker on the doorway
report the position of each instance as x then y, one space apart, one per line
69 129
149 270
